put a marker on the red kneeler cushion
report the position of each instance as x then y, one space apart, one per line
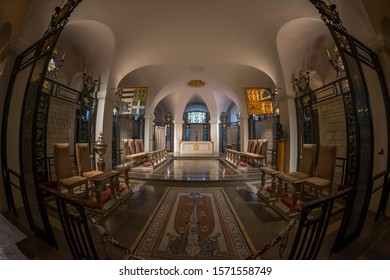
281 193
108 190
243 164
287 200
104 197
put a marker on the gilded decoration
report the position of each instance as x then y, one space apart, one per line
196 83
61 15
259 101
329 13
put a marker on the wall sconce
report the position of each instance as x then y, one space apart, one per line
303 82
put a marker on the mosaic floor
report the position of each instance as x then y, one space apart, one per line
261 222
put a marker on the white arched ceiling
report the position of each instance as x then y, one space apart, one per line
303 44
201 33
196 103
89 45
224 85
194 33
155 44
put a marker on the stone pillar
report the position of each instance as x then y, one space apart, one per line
214 136
288 118
244 132
148 132
178 136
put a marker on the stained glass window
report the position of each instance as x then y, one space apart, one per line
196 117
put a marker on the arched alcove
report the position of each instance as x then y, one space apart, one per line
196 120
300 44
79 42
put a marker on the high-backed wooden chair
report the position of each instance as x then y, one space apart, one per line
307 162
252 143
84 161
64 170
259 158
294 179
325 170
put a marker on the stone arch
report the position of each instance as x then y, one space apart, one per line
80 40
297 39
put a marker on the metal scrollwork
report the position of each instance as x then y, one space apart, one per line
329 14
40 140
61 15
352 141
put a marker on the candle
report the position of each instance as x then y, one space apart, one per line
327 51
63 56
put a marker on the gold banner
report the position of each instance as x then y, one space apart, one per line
259 101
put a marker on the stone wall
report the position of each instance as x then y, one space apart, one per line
61 124
267 132
332 129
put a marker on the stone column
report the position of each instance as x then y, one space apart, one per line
178 135
214 136
244 132
148 130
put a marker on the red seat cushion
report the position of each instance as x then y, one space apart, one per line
288 200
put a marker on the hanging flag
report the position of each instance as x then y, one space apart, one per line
259 101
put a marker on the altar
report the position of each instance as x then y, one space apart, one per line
196 148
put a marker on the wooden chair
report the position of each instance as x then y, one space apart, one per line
307 162
84 161
64 170
306 170
252 143
260 158
135 154
325 170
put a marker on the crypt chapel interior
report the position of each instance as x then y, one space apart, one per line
200 130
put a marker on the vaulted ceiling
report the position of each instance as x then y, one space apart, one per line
228 44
